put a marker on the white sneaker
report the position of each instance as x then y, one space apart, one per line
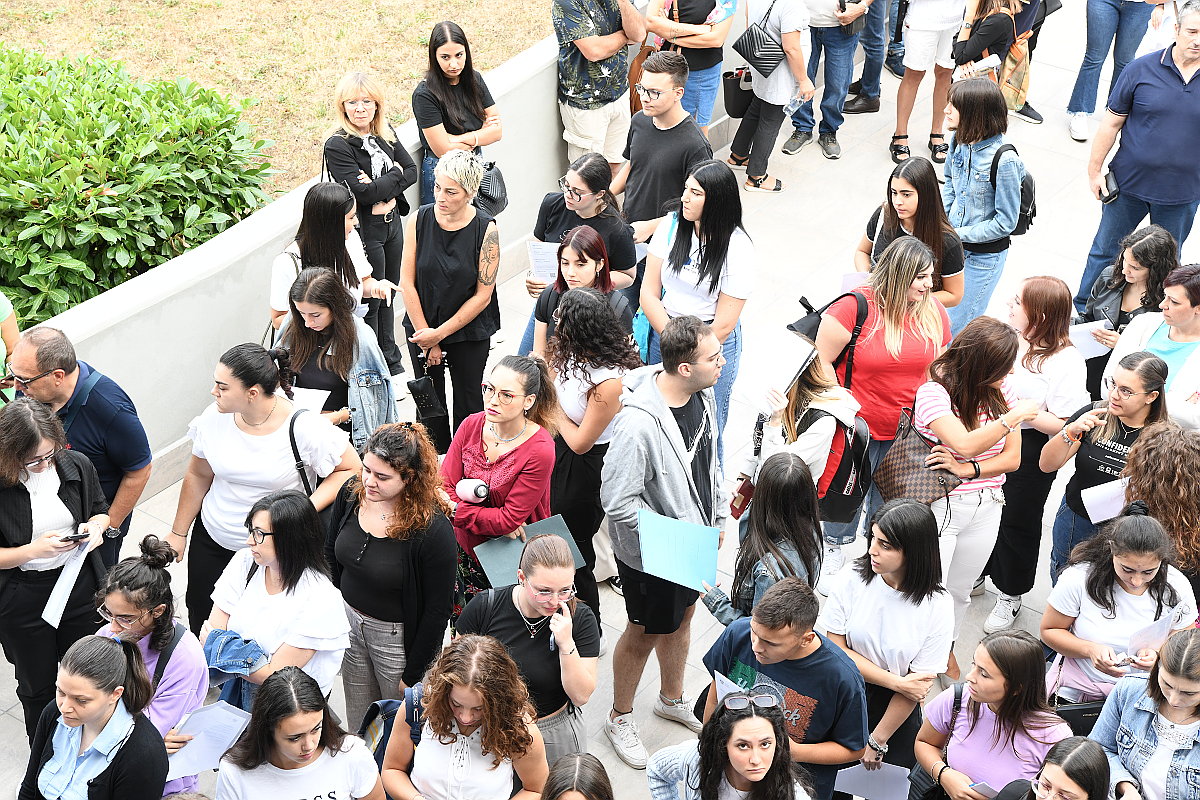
678 711
603 644
1003 615
831 565
1080 126
623 735
978 589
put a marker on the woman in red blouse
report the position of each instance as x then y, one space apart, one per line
509 447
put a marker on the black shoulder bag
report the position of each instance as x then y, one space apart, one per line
921 786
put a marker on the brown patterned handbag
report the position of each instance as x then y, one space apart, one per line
903 473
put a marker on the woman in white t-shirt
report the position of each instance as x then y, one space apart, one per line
277 592
293 748
1113 607
968 407
588 355
701 263
242 448
897 629
1052 373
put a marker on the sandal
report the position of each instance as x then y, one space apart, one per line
756 185
900 152
737 162
938 151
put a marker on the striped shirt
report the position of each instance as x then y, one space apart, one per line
933 403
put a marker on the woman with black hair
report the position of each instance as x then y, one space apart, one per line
1113 607
701 263
334 352
898 629
277 592
452 105
1074 769
243 446
589 355
137 601
293 747
742 752
782 538
93 742
1129 288
578 776
363 154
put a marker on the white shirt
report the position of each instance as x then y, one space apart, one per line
1059 386
1133 613
887 629
787 16
822 14
572 393
935 15
247 467
50 515
310 617
284 270
348 774
683 292
1154 775
459 770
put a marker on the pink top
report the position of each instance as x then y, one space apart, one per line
518 484
933 403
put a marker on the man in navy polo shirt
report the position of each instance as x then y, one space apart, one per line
1155 106
99 418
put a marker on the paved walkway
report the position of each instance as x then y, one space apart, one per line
804 239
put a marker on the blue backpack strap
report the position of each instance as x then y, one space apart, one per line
81 398
414 715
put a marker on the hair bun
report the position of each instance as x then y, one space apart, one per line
156 553
1137 508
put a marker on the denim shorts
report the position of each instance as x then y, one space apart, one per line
700 93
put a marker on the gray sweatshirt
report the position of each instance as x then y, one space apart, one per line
646 466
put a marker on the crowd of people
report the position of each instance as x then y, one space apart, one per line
324 538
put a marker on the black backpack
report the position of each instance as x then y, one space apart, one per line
1028 193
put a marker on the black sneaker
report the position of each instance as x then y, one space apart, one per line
855 88
615 584
829 145
797 140
1027 113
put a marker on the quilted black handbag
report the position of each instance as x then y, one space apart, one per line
759 47
492 196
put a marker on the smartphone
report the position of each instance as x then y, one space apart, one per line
75 537
1111 191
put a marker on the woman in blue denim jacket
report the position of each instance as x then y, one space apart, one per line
983 216
334 351
1150 727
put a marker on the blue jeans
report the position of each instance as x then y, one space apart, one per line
881 21
527 338
1069 530
700 93
846 532
428 162
839 72
1126 21
981 273
1118 219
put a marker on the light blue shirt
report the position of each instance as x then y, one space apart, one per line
1175 354
65 776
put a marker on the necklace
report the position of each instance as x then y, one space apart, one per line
1127 429
534 627
496 435
264 422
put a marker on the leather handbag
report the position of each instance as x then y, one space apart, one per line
922 786
635 76
760 49
428 404
903 473
737 92
492 197
1080 716
744 492
859 24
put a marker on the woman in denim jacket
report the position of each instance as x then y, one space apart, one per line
983 215
334 351
1150 727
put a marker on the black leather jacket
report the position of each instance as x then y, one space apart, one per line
1105 302
345 158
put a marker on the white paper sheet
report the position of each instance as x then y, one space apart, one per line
725 686
216 727
853 280
312 399
889 782
984 788
59 595
543 260
1153 636
1085 343
1105 501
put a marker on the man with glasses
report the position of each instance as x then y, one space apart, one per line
662 457
100 420
776 651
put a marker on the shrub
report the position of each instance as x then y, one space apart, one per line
103 176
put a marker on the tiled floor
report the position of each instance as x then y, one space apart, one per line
805 238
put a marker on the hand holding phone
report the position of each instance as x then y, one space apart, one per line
75 537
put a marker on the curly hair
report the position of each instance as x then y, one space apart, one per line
407 448
483 664
1172 494
589 336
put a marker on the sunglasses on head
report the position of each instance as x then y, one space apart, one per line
737 702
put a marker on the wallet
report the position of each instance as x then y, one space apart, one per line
425 398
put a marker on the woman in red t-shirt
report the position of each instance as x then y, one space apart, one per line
905 329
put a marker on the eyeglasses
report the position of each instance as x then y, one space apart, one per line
505 397
570 190
360 103
125 621
43 460
1044 791
1124 391
649 94
545 594
737 702
258 535
25 381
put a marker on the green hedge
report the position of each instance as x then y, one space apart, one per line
103 176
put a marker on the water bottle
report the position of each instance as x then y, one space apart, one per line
471 490
792 107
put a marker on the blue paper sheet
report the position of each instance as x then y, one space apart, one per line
677 551
501 556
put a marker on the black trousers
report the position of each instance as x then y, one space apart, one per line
33 647
384 243
1013 565
900 746
575 493
467 361
206 561
756 134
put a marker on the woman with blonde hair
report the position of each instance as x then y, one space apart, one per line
904 329
363 153
478 731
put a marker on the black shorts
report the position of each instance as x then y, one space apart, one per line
656 604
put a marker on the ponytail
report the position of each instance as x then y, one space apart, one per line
109 663
536 381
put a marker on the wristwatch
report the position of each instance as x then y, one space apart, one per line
112 533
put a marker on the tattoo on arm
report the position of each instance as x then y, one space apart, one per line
489 256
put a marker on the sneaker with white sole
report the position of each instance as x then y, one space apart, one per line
831 565
978 589
1004 614
623 735
1078 126
677 711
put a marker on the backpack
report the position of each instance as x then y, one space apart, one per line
377 723
1013 76
1028 208
843 485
